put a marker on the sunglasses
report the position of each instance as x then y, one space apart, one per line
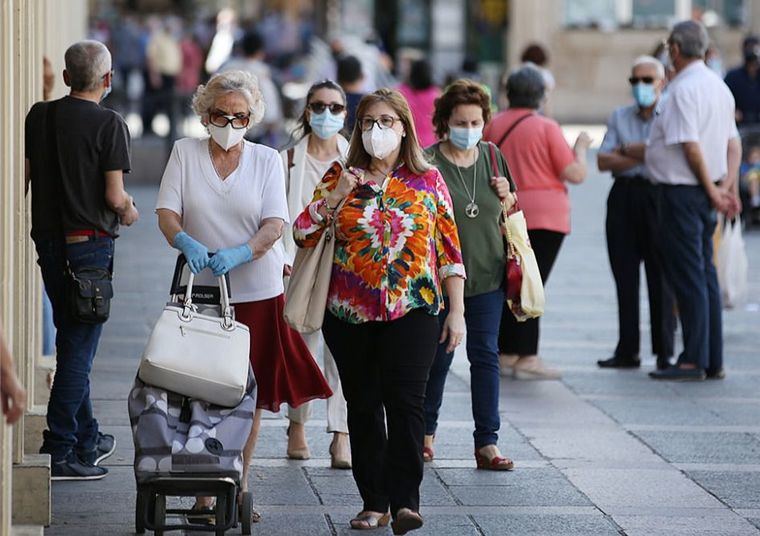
319 107
644 79
220 119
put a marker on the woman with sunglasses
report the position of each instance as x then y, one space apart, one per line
226 195
306 162
396 246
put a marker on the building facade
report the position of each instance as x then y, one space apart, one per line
29 30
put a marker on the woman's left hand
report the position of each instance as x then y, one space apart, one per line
500 185
453 330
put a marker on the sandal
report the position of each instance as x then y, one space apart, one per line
405 521
369 520
497 463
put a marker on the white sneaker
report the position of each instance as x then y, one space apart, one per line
532 368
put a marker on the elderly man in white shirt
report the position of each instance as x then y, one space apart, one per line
694 153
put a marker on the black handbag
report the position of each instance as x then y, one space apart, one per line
89 289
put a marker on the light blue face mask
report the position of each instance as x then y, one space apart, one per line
326 125
465 138
644 94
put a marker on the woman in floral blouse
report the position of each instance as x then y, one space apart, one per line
397 244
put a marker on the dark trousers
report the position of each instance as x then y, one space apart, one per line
521 338
688 224
633 236
482 314
383 369
72 427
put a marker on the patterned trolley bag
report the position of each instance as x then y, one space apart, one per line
179 436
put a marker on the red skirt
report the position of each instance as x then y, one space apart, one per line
282 363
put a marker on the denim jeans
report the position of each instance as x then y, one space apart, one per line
70 421
687 227
482 315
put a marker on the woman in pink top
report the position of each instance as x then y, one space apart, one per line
541 163
421 93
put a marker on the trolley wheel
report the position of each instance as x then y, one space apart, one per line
159 514
221 513
140 508
246 512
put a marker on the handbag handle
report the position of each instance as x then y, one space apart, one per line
228 322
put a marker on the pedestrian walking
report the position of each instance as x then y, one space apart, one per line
76 154
351 79
693 146
633 232
479 199
320 145
252 61
542 164
420 92
226 195
163 65
397 244
744 83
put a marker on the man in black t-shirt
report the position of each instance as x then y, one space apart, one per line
76 155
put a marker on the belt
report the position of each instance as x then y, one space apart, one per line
83 235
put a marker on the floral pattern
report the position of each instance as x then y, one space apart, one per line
395 244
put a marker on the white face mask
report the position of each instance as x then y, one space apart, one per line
226 137
380 142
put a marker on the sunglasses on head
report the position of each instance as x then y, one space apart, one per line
644 79
319 107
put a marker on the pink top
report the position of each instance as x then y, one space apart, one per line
422 105
537 153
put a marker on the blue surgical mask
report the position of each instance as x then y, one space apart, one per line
106 93
326 125
465 138
644 94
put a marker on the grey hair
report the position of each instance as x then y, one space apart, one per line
86 63
241 82
691 38
654 62
526 87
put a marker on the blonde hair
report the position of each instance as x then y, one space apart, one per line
410 152
230 82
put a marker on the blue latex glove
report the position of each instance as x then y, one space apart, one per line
195 252
226 259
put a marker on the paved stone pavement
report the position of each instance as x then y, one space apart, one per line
598 453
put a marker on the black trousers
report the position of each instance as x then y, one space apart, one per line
633 236
521 338
383 368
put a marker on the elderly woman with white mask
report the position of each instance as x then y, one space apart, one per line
226 195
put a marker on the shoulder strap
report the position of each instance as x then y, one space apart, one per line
512 127
291 163
494 166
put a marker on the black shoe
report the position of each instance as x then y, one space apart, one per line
663 363
715 374
619 362
72 468
104 447
678 374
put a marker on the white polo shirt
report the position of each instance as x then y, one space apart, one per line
222 214
699 108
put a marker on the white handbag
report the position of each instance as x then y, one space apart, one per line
198 354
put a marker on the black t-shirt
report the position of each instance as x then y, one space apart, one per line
746 91
91 140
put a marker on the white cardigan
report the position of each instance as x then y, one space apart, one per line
294 187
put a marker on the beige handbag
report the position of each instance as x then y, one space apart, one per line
524 287
306 296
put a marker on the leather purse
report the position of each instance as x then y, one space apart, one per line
89 294
199 353
306 296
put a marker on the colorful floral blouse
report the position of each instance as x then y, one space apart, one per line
395 244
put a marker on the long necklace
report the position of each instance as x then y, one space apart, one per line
471 210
